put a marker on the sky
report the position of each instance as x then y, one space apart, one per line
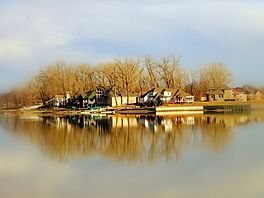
34 34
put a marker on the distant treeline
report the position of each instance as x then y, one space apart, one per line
123 76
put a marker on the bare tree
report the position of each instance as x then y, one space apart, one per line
193 86
128 71
84 78
214 75
121 76
151 72
107 77
42 86
171 73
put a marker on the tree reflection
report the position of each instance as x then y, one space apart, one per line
126 138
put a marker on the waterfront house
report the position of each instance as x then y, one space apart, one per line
253 94
202 97
60 100
122 100
221 94
85 99
215 95
240 94
250 92
150 95
258 96
229 94
165 95
183 97
105 97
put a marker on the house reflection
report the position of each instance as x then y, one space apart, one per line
127 138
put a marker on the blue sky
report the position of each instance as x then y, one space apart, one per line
37 33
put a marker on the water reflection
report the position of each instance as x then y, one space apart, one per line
126 138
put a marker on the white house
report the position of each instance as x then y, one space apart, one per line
151 94
166 95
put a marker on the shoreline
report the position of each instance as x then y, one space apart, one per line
173 108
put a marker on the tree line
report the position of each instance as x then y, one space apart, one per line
121 76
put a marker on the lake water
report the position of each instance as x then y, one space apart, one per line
132 156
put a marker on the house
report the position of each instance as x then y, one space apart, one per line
240 94
58 100
258 96
215 95
104 97
121 100
150 95
85 99
202 97
166 95
107 97
159 95
221 94
250 91
229 94
182 96
254 94
61 100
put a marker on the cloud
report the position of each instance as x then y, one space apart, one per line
36 33
16 49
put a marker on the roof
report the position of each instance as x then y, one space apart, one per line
224 87
159 90
155 89
91 95
213 92
259 93
238 90
88 95
170 89
173 91
182 93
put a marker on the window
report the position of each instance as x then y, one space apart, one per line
167 93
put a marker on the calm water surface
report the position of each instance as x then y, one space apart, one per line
132 156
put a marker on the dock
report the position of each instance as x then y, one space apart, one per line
188 109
